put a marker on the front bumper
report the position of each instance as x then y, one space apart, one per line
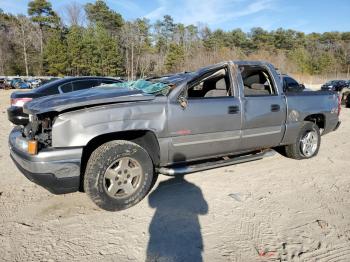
57 170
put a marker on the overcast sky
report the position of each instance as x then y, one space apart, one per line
303 15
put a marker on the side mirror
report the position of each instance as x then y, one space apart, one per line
302 86
183 101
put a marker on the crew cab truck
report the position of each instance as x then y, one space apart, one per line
112 142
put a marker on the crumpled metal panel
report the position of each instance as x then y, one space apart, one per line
77 128
87 97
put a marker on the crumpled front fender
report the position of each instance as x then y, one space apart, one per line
77 128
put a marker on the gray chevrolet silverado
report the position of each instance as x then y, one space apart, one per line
112 142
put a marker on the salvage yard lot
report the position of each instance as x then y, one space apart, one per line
272 209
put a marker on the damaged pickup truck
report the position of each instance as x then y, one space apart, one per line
112 142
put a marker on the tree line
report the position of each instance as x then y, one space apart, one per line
95 40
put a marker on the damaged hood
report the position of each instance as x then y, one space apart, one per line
84 98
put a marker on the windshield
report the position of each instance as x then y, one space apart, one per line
148 87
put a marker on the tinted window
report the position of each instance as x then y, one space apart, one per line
291 83
109 81
66 88
84 84
50 88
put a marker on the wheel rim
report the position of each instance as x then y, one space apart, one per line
309 143
123 177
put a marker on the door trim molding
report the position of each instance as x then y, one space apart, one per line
205 138
261 131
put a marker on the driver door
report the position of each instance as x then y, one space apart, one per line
210 124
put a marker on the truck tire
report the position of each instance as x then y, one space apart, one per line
118 175
307 143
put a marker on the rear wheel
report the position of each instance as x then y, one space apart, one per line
307 143
118 175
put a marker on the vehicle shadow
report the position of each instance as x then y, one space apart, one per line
175 232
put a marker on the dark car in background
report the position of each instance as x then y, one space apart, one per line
48 80
347 101
2 83
59 86
335 85
291 85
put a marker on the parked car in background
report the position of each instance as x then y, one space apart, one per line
60 86
347 101
14 81
22 85
291 85
2 83
48 80
335 85
34 83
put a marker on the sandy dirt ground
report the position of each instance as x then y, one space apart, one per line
275 209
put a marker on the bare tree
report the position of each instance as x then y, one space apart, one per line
22 33
4 49
74 14
25 36
24 44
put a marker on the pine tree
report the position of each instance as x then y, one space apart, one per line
100 13
55 55
75 50
175 58
42 14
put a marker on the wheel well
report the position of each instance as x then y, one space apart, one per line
144 138
318 119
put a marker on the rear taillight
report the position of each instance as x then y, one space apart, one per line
20 101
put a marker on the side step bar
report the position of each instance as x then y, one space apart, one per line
218 162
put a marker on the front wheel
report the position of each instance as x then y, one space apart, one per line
118 175
307 143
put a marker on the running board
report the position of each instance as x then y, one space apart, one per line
219 162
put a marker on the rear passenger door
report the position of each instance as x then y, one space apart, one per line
264 114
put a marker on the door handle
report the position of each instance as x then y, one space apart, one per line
233 109
275 108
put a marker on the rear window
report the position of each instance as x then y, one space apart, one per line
108 81
66 88
84 84
50 88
